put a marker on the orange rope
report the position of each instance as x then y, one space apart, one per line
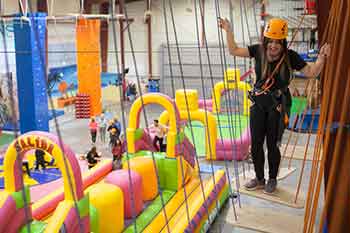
299 129
335 84
336 154
320 133
305 154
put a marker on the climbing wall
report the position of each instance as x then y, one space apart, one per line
88 62
30 48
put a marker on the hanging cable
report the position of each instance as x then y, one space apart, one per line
14 120
255 20
203 89
173 89
247 22
212 84
228 102
237 99
58 131
305 154
145 115
122 107
70 182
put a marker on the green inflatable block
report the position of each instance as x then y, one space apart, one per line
179 138
35 227
18 197
298 105
149 213
166 167
83 206
167 171
93 219
138 134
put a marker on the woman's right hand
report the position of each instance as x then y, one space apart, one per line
224 24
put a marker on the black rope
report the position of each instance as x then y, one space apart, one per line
173 90
145 116
121 98
246 19
201 7
255 20
187 105
227 97
70 183
15 122
81 226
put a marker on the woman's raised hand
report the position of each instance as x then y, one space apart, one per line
224 24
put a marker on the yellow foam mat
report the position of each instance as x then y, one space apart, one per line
283 173
298 153
264 220
283 195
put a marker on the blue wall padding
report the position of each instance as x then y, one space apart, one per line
30 45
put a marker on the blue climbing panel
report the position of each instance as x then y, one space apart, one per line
31 61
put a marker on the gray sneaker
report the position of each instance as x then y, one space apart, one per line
270 187
255 184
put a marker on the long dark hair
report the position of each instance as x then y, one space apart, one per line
285 70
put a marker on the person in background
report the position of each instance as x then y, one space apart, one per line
160 133
25 164
113 137
102 125
40 159
93 129
117 124
313 37
112 130
92 157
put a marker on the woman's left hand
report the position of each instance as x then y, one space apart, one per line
325 50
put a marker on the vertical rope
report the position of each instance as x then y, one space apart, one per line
145 114
115 44
58 132
255 20
15 122
173 89
203 91
304 158
334 85
336 155
228 102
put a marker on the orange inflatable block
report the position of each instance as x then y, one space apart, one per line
144 166
88 62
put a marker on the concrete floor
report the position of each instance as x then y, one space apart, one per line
75 133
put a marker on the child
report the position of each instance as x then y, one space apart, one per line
40 159
93 129
113 137
117 151
92 157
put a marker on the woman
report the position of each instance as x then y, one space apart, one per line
274 65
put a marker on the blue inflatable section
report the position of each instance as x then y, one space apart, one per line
31 61
305 126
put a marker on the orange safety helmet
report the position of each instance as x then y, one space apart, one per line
276 29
